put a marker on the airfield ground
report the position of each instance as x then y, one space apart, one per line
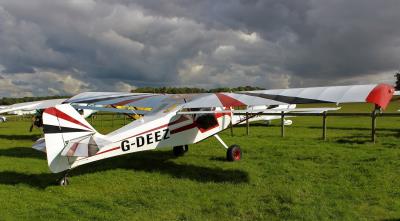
296 177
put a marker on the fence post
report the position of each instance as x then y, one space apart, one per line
282 123
324 126
373 126
247 124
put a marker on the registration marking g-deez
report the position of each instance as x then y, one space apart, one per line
146 139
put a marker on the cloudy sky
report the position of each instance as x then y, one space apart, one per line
51 47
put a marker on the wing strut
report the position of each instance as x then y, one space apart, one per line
221 141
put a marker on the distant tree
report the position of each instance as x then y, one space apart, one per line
397 75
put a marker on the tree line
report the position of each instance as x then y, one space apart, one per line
15 100
191 90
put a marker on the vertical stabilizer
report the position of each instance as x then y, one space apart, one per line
64 128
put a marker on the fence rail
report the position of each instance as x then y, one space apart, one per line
375 114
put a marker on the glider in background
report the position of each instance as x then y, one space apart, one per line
169 120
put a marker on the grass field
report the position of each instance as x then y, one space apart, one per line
296 177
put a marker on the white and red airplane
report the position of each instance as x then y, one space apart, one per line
169 120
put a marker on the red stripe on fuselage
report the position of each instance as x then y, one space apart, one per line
179 120
115 148
186 127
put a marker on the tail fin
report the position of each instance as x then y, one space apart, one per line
68 135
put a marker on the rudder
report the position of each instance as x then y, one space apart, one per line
65 131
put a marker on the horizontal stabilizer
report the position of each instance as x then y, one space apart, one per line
81 147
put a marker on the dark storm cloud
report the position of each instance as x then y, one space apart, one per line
109 45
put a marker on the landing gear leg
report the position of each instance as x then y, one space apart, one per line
64 180
180 150
186 147
233 153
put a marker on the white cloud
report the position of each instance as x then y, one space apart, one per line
123 87
250 38
43 83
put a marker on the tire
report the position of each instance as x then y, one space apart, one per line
186 147
64 181
234 153
179 151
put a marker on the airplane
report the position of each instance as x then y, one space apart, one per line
168 120
241 119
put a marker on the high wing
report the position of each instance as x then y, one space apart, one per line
228 100
379 94
121 102
32 105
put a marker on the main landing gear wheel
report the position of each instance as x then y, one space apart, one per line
234 153
180 150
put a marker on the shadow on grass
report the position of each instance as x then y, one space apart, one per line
32 137
151 161
354 140
40 181
221 159
22 152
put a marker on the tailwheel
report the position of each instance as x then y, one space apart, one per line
180 150
234 153
64 181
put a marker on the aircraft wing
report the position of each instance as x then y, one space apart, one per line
32 105
115 100
156 102
379 94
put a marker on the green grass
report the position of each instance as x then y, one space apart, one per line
296 177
